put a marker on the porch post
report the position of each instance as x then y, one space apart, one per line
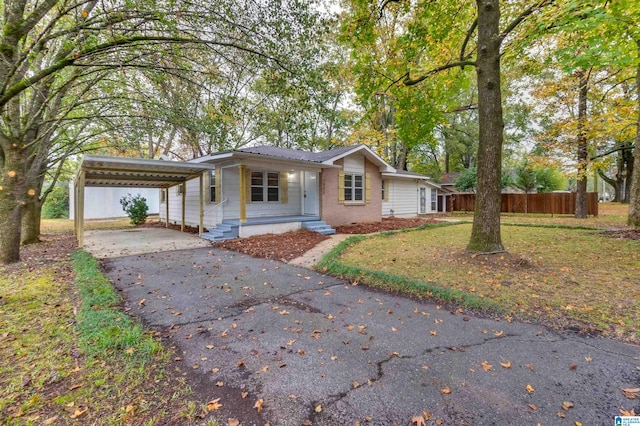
201 206
80 207
184 203
243 194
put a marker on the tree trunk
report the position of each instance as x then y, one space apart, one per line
633 219
581 183
11 204
615 183
31 222
628 155
485 234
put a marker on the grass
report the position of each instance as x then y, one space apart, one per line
71 356
559 275
55 226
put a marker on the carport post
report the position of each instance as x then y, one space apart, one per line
201 206
80 209
166 207
184 202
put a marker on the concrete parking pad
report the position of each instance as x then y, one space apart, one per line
321 351
126 242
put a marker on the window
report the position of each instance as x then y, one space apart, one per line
384 189
353 187
265 186
434 199
179 189
163 195
212 186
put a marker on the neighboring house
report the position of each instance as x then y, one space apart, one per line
104 203
268 189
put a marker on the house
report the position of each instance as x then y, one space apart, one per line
268 189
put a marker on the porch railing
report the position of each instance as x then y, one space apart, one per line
218 207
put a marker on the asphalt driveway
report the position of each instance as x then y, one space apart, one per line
317 350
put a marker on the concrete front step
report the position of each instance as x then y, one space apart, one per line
319 226
222 232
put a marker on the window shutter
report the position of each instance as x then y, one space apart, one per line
218 185
207 184
247 185
367 187
284 188
387 188
341 187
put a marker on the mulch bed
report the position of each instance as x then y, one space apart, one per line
625 234
387 224
282 247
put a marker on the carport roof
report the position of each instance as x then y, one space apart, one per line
137 172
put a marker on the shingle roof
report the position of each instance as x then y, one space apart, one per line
296 154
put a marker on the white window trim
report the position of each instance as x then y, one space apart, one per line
353 188
212 188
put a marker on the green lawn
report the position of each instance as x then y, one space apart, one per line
557 275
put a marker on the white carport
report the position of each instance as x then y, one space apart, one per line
105 171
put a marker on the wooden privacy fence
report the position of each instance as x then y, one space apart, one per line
549 203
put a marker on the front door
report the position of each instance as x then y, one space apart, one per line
423 200
310 188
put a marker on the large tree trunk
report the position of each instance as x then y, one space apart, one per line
485 234
581 183
31 222
11 204
634 197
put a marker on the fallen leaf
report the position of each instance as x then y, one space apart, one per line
355 384
530 389
530 367
284 312
240 363
50 420
631 393
433 333
233 422
533 407
219 384
78 385
498 333
318 409
506 364
566 405
259 403
486 366
627 413
79 412
394 329
130 350
244 394
209 346
214 405
578 423
425 367
588 358
445 390
418 421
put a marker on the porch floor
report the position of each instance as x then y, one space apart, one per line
272 219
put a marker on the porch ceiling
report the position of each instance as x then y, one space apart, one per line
136 172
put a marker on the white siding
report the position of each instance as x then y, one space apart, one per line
104 203
192 206
403 198
354 164
291 208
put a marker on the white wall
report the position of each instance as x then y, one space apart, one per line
104 203
192 205
403 198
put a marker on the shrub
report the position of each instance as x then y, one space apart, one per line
56 205
135 207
